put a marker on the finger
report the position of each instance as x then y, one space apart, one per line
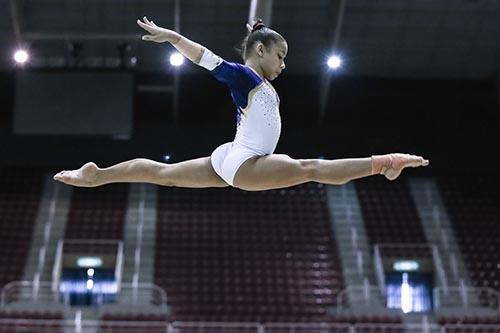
249 27
145 22
145 26
153 24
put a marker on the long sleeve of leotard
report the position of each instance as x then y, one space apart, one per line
239 78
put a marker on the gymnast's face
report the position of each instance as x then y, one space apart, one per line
272 58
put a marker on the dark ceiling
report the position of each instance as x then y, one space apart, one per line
390 38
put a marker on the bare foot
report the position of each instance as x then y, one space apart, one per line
391 165
83 177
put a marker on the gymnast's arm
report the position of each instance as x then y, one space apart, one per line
191 50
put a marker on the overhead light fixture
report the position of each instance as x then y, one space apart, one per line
334 62
21 56
176 59
89 262
405 266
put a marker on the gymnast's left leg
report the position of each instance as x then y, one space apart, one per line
195 173
278 170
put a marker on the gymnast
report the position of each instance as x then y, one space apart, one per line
248 162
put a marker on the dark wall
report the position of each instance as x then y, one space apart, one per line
454 123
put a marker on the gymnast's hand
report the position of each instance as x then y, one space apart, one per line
158 34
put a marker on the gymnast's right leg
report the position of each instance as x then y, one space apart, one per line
195 173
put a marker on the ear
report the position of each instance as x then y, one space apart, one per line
259 48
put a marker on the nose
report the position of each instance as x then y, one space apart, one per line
282 65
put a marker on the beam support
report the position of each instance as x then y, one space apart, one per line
14 15
336 12
260 9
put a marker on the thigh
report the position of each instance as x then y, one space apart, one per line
195 173
272 171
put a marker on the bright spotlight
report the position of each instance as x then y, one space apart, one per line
334 62
176 59
90 284
21 56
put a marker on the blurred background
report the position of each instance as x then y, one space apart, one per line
363 77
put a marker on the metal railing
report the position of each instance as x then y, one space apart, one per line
379 268
42 293
28 291
112 326
84 326
359 295
467 298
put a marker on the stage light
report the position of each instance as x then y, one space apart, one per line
405 266
176 59
89 262
21 56
334 62
90 284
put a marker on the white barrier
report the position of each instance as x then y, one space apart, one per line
133 294
84 326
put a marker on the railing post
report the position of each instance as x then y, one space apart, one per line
359 261
379 269
436 296
36 287
78 321
119 266
354 238
439 268
454 266
66 299
135 281
425 324
57 265
366 290
463 293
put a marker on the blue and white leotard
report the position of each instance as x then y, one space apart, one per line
258 122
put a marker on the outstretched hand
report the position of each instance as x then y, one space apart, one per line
157 34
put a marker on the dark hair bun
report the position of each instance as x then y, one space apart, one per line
258 25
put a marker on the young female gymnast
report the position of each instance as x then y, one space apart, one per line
248 162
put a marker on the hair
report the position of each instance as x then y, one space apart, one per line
259 33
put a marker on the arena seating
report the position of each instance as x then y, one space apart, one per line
97 213
473 208
20 194
30 322
389 213
470 324
134 322
231 255
128 323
